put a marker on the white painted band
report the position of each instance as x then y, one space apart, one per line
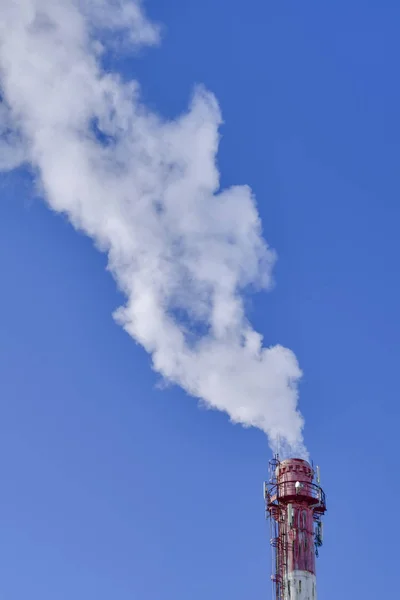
300 585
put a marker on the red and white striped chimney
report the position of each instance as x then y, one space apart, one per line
295 504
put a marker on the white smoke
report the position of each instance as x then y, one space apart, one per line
147 191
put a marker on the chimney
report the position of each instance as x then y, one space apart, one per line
295 504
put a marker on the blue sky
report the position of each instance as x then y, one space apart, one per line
115 489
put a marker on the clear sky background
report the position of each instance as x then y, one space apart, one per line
113 489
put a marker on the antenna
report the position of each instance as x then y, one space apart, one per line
318 475
265 489
278 453
290 515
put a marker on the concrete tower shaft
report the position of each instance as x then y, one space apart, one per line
295 505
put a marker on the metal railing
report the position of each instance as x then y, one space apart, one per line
288 489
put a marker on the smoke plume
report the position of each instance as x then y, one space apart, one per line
147 191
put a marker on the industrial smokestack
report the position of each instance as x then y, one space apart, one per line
295 504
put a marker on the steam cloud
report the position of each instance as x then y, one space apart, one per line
147 191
